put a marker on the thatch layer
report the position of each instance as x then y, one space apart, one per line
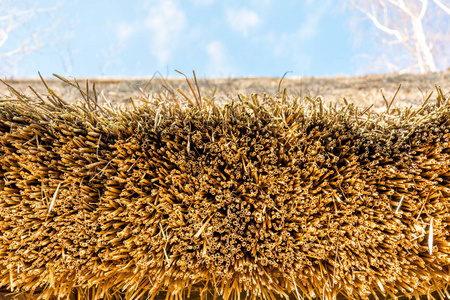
266 195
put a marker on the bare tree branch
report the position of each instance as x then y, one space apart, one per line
384 28
442 6
412 24
14 21
423 10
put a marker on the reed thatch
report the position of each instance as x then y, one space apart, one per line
265 195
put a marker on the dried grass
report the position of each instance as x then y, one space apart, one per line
265 195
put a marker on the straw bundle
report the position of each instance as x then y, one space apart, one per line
263 195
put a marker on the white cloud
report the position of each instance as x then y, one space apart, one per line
261 3
307 30
242 20
167 22
125 31
311 24
203 2
291 45
218 62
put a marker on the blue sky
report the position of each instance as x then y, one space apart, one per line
214 38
